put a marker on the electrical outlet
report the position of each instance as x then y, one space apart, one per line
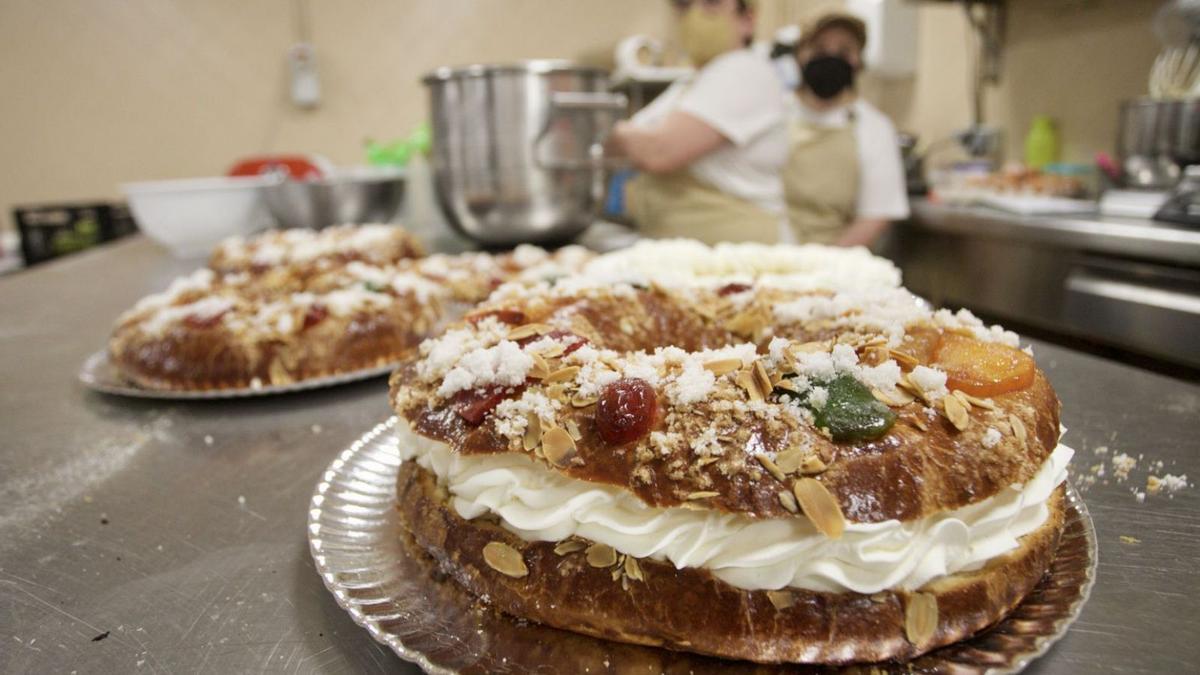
302 67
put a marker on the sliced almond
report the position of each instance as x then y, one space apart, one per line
919 423
632 569
505 559
907 361
826 454
963 398
572 428
705 461
601 555
563 374
1018 428
789 460
812 465
788 500
956 412
569 546
581 401
557 391
746 380
553 351
788 384
820 507
985 403
920 618
721 366
527 330
540 369
771 467
911 387
895 398
533 432
781 599
748 322
703 494
558 446
811 347
762 378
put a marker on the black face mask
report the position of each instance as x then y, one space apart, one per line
828 76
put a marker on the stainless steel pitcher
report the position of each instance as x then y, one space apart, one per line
518 149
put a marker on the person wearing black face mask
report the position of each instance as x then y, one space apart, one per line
844 180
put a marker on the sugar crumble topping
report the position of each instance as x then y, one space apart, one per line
991 438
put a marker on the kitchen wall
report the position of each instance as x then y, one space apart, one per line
1075 60
99 92
102 92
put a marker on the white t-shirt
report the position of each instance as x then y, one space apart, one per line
882 191
739 95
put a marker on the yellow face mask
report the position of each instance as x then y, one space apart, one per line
705 35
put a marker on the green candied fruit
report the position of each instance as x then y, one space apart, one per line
851 412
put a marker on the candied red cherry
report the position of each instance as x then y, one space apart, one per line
626 410
475 404
570 341
314 315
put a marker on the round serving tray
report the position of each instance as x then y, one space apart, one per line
392 589
100 374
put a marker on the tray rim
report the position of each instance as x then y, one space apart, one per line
381 635
98 374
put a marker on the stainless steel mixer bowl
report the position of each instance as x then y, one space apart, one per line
517 148
352 196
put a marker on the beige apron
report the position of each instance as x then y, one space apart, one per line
678 204
820 181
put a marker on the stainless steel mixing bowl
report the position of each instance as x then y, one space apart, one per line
366 195
517 149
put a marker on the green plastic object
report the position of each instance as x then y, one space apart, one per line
401 150
851 412
1041 143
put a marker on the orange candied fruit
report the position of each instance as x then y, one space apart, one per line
982 368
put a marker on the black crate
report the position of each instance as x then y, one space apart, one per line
53 230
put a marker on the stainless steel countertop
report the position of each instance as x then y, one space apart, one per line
1124 236
177 530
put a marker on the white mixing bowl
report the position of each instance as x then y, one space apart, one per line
190 216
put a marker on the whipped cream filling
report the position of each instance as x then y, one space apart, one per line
538 504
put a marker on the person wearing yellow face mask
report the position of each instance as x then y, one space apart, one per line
710 148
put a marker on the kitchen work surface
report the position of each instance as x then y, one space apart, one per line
155 536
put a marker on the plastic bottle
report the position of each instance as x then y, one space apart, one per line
1041 143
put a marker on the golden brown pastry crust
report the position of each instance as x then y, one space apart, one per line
241 350
910 473
335 247
691 610
221 357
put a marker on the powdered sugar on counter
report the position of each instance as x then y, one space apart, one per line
1122 464
1169 484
